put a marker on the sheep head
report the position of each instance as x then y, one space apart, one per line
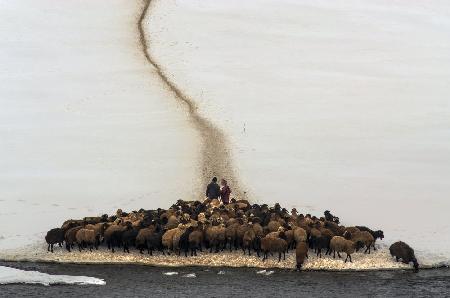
415 265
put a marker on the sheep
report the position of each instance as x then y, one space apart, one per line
54 236
271 245
315 233
99 230
85 237
196 240
128 237
378 234
71 223
183 243
142 237
290 238
273 225
248 240
331 217
70 237
352 230
334 227
241 229
322 242
401 250
340 244
154 241
113 236
172 222
231 235
275 234
300 235
258 229
176 238
301 252
216 237
364 238
167 239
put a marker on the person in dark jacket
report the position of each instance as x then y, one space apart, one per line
225 191
213 189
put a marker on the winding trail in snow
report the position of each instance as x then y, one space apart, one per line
216 157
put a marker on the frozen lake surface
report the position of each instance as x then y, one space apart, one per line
337 105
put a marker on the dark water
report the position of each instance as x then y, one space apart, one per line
145 281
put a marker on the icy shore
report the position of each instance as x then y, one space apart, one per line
379 260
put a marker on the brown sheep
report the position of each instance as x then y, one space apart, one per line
248 240
364 239
231 235
340 244
301 252
271 245
70 237
99 230
143 236
300 235
176 237
273 225
196 240
258 229
352 230
167 239
85 237
216 237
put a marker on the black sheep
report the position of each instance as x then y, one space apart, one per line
184 241
129 238
331 217
54 236
401 250
322 242
154 241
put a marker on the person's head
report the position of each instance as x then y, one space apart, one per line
214 179
223 182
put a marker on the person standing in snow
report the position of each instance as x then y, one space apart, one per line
225 191
213 189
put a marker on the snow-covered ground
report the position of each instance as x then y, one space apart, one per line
85 124
10 275
338 105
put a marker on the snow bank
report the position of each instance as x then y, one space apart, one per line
15 276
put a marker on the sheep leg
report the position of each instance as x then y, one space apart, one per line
350 257
249 251
279 257
48 247
284 256
68 247
334 254
339 256
51 247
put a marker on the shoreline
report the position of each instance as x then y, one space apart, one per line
378 261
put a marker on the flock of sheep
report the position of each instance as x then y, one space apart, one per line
189 226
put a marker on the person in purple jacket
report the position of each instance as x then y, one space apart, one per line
225 191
